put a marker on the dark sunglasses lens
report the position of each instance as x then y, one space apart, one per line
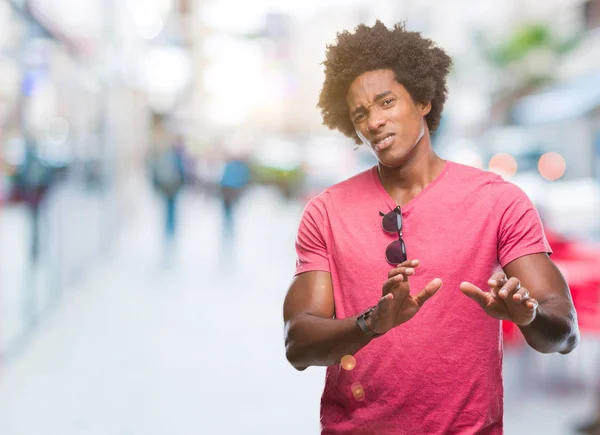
391 220
396 252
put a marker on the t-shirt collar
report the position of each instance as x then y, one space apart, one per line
406 208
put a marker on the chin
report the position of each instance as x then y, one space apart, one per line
392 158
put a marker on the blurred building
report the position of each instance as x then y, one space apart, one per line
564 116
78 88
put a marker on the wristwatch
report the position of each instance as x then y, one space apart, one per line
362 324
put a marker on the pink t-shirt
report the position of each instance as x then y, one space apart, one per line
440 372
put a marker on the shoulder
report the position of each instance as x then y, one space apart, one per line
483 176
477 181
343 191
317 204
358 184
471 175
508 194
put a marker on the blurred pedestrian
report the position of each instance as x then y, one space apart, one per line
404 354
33 180
168 176
234 180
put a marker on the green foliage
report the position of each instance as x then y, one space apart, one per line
268 175
524 40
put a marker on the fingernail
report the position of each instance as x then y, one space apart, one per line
410 270
492 282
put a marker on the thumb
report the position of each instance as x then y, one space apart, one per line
429 290
475 293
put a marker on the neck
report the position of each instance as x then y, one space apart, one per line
421 167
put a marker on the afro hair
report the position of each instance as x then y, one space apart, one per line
418 65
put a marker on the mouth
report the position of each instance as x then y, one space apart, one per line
383 141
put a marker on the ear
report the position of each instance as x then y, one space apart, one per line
426 108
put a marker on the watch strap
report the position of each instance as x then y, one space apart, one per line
362 324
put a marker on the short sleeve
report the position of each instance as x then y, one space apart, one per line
311 246
520 229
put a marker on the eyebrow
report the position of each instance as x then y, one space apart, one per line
378 97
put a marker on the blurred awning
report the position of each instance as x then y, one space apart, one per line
566 101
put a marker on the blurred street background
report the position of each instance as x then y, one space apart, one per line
156 155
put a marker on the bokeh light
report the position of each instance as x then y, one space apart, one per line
358 391
552 166
57 130
348 362
503 164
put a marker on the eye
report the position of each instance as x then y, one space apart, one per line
359 117
387 101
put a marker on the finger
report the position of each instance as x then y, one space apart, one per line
531 304
398 284
429 290
494 291
409 263
407 271
475 293
384 302
508 289
497 279
521 295
389 285
402 289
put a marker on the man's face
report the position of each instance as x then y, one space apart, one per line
385 117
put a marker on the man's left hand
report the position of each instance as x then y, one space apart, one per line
506 300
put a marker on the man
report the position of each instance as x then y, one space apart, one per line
404 271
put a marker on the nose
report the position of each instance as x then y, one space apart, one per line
376 120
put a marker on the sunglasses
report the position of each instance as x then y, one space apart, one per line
391 222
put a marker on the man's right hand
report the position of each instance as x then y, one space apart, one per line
397 304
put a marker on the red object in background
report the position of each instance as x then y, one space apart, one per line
580 264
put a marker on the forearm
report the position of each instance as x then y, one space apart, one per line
554 328
315 341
